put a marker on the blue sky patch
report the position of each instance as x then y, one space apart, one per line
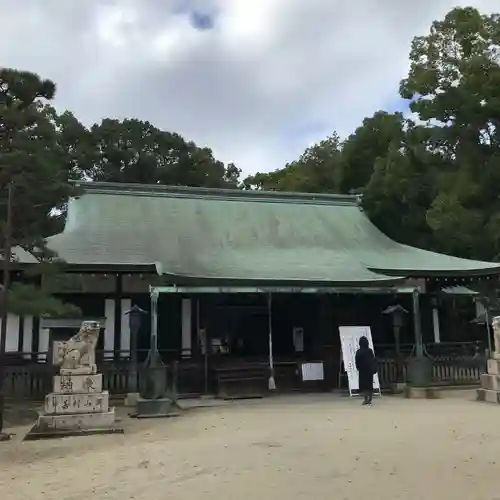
399 104
299 130
201 21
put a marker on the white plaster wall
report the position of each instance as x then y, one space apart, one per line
43 343
27 336
109 328
12 339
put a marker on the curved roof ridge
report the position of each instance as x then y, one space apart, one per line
157 190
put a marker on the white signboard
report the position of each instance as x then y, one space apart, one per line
349 340
312 371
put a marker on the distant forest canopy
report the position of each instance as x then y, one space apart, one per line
432 180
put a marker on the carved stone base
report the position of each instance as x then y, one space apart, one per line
68 384
76 403
78 406
494 366
81 421
490 383
488 395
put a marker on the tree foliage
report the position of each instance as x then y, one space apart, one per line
432 180
317 170
138 152
31 164
41 150
29 158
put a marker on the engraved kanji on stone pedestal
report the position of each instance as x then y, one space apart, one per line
77 405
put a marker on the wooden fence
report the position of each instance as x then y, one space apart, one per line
34 380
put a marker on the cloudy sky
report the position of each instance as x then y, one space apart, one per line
256 80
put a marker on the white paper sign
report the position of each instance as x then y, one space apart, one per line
349 340
312 371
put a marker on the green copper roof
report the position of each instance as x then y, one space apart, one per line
241 235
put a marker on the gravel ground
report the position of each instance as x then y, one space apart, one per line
314 447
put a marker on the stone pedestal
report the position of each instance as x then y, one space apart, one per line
77 406
419 371
490 383
155 408
131 399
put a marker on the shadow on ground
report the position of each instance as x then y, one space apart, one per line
20 413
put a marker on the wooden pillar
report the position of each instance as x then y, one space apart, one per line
186 328
20 334
35 338
195 328
35 327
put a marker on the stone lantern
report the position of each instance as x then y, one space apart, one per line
135 315
397 313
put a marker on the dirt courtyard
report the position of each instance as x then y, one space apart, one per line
314 447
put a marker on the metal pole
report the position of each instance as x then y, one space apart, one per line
272 382
419 347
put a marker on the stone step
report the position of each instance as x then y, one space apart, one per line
490 382
65 404
494 366
79 421
488 395
65 384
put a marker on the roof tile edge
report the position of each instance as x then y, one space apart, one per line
116 188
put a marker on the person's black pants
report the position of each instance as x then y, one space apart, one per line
368 396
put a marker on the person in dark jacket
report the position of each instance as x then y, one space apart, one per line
367 367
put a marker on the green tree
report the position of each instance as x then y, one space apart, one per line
454 85
31 163
400 191
138 152
369 142
318 170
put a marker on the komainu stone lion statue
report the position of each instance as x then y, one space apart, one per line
77 355
495 323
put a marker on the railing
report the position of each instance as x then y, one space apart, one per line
452 364
34 380
457 362
28 381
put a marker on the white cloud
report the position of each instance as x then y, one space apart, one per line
268 69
